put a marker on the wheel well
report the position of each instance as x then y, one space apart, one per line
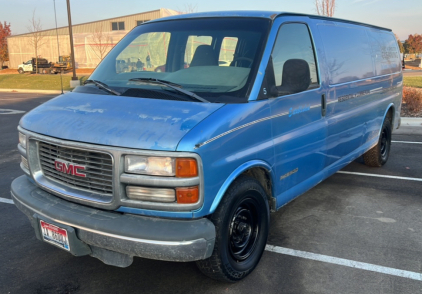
264 178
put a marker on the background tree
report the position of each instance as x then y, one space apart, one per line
190 8
101 42
4 33
400 44
413 44
36 39
325 7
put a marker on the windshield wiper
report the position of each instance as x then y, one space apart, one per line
103 86
174 86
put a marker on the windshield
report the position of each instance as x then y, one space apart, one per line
214 58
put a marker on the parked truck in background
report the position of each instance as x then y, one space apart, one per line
46 67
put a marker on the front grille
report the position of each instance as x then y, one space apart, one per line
98 168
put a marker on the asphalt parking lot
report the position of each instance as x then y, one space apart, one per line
359 231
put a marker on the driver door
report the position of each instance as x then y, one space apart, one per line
298 122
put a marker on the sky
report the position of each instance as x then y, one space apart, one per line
404 17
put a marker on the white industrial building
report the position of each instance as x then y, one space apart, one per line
85 38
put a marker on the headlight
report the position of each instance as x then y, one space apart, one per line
161 166
157 166
22 140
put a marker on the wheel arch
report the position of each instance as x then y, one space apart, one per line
258 169
389 112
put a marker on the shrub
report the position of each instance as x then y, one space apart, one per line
413 99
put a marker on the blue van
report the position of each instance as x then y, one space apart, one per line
236 114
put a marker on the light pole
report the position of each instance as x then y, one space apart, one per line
72 52
58 46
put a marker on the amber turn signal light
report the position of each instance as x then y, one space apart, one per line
187 195
186 168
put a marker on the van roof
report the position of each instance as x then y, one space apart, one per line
260 14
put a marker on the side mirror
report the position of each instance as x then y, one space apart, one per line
296 77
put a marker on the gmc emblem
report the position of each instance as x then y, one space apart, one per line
69 168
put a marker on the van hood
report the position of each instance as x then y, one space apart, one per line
130 122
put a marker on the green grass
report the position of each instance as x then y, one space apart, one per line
36 82
415 82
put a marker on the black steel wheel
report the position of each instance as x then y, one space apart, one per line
241 221
378 155
244 229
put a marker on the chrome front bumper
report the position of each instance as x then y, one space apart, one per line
114 237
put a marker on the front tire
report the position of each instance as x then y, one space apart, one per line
378 155
21 71
241 221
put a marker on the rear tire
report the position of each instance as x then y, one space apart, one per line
241 221
378 155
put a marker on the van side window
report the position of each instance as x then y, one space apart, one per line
348 53
193 43
228 48
293 42
384 51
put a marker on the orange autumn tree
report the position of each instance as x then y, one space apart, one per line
413 44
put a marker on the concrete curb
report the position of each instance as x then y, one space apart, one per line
411 121
32 91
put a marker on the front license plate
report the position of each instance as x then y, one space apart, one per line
54 235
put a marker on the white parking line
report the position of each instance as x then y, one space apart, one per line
346 262
406 142
11 111
380 176
5 200
25 98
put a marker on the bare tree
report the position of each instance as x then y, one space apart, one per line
36 39
101 42
325 7
190 8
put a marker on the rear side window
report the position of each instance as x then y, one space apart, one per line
293 42
228 48
385 50
347 51
193 43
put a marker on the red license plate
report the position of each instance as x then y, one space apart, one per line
54 235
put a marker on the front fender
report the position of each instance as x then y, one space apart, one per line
238 171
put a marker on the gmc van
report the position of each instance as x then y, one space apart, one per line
253 109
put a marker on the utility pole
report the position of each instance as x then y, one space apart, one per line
72 52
